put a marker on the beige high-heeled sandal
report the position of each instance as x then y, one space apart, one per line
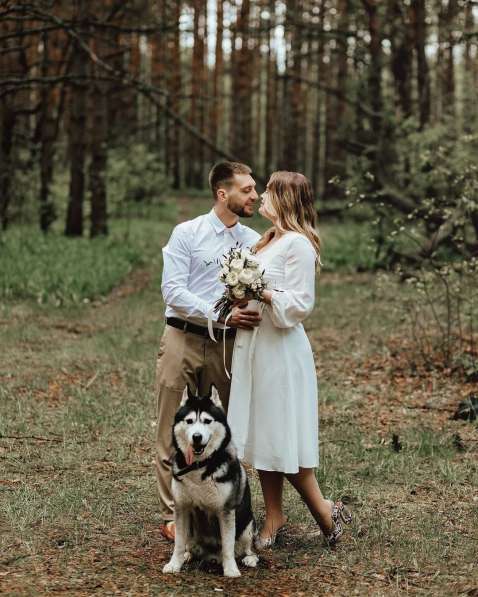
261 543
340 514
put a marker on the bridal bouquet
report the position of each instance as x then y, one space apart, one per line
243 279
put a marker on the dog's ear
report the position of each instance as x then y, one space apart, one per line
187 394
214 396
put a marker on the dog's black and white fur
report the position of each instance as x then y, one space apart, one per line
211 492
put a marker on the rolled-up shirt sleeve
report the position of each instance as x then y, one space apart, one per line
174 283
291 304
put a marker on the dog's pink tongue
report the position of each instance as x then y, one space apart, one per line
189 456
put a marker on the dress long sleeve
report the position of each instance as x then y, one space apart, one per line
295 301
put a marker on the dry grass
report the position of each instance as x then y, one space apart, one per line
77 494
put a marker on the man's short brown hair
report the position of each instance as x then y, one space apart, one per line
222 173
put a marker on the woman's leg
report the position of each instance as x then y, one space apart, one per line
272 483
306 484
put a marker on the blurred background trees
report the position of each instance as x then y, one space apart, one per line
375 101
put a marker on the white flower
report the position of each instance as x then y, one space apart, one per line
232 279
225 269
239 292
237 265
253 264
247 276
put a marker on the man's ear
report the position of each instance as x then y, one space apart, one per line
221 195
186 395
214 395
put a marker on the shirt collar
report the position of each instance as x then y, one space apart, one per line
220 227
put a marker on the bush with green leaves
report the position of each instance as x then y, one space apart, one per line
441 310
424 197
425 201
136 176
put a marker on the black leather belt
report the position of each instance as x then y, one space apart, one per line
199 330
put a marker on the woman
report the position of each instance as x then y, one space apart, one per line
273 409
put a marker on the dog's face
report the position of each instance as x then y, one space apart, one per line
200 425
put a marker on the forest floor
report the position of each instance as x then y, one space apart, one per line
77 489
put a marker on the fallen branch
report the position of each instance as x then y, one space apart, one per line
35 437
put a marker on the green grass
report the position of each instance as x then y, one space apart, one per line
347 246
58 270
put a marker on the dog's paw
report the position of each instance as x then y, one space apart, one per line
172 567
187 557
231 570
250 561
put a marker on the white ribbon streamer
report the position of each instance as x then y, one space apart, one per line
224 345
209 325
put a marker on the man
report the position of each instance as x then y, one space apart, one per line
190 287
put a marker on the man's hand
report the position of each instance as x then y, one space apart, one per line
246 319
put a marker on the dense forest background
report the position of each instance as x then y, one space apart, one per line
104 104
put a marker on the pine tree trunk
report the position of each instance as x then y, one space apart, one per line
470 78
418 13
47 126
335 154
176 81
375 87
317 166
7 125
268 160
98 148
242 91
194 171
293 90
218 76
77 136
448 81
402 55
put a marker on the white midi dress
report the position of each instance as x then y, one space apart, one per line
273 410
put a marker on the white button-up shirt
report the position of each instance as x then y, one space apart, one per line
191 265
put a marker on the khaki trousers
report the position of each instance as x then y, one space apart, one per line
183 358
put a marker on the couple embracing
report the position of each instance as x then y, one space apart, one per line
271 401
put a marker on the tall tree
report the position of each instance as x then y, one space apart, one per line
418 18
448 80
317 166
196 112
470 87
372 9
77 125
175 93
335 157
53 62
294 125
216 113
241 106
269 159
99 140
402 54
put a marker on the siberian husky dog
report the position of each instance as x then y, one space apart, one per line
212 498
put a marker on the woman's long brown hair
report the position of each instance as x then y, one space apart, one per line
293 201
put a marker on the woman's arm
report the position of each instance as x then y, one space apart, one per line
291 304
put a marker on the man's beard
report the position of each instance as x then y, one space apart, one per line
238 210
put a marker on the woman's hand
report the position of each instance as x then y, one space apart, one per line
240 303
241 317
267 297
